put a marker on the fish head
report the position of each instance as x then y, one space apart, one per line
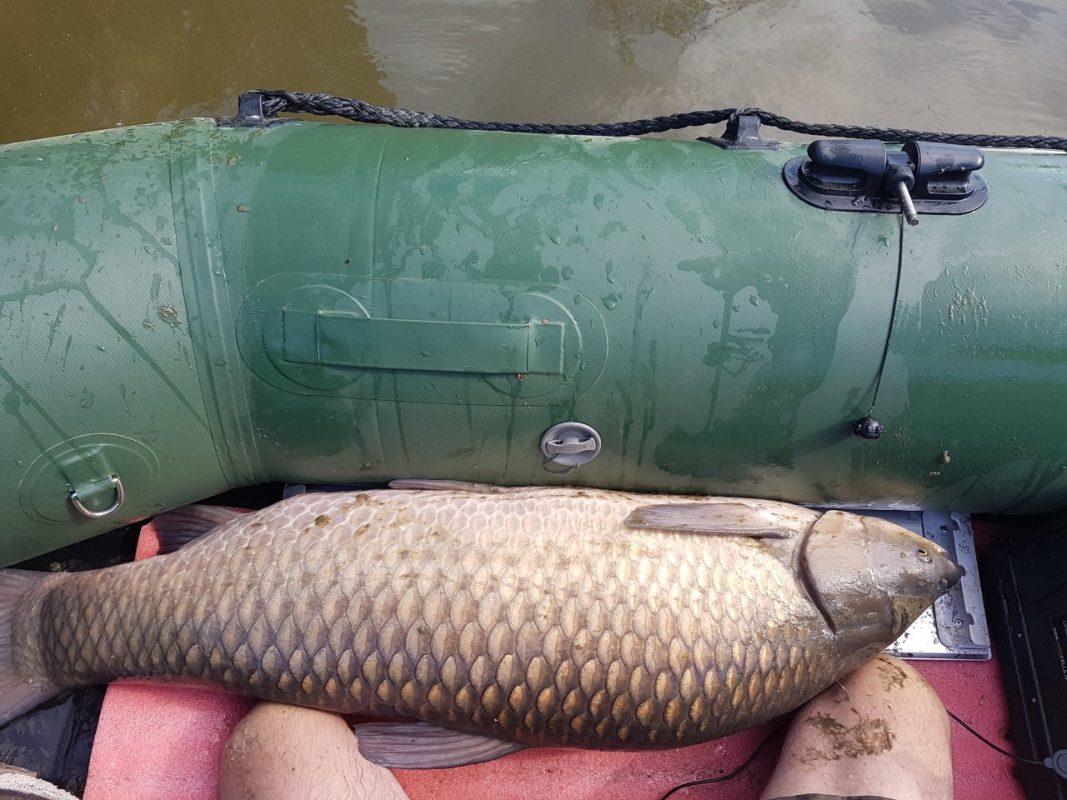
871 579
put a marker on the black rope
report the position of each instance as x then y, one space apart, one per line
282 102
277 102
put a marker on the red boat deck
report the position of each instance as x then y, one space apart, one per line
161 742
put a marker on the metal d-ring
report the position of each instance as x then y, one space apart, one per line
120 496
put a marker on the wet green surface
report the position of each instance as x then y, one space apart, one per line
956 65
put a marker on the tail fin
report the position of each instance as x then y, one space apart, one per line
18 692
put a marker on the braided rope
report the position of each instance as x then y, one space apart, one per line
277 102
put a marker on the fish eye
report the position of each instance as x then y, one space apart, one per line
923 553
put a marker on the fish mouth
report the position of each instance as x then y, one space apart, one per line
949 574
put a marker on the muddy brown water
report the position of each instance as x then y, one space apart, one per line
969 65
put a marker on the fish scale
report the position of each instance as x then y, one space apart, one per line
535 616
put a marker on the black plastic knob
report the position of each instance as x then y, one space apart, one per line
868 428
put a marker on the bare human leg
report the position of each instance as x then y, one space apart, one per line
281 752
880 731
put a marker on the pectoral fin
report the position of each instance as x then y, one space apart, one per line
176 529
425 746
721 519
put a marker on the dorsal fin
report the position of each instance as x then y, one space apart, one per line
720 519
451 486
177 528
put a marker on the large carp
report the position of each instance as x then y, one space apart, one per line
527 616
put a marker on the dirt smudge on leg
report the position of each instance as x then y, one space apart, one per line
868 737
893 676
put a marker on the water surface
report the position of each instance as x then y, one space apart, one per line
975 65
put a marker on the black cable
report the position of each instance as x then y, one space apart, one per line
728 775
892 317
1000 750
276 102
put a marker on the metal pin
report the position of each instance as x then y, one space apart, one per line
906 206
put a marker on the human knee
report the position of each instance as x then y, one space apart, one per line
897 688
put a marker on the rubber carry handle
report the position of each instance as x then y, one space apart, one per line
344 339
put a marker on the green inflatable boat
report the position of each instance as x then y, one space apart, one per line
194 306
